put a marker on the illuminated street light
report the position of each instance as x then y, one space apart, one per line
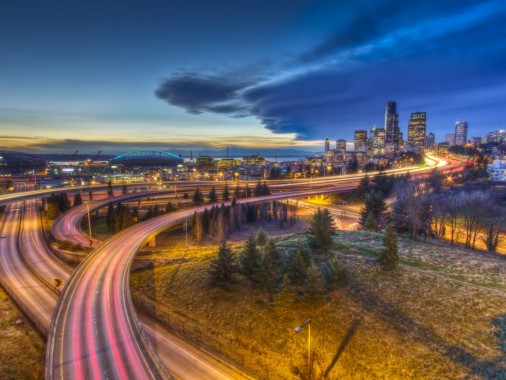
298 329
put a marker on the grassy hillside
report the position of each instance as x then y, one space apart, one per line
441 314
21 347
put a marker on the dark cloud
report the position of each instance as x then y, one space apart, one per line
445 58
200 93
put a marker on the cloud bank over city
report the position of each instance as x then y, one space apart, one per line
212 74
444 59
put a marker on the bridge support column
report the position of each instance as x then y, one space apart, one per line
152 242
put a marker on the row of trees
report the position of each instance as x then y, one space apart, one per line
58 203
218 220
260 190
121 216
304 274
421 212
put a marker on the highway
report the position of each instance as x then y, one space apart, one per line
95 331
28 268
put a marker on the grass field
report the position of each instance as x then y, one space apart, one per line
22 349
426 319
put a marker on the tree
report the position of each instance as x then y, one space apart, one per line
124 189
258 189
374 205
272 251
237 192
389 257
197 227
63 202
370 223
110 191
212 196
109 218
169 207
90 195
52 210
334 274
363 187
313 288
267 273
206 222
226 193
78 200
320 231
223 268
265 189
297 269
284 299
250 260
261 238
197 197
352 166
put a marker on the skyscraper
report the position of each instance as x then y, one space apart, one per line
377 141
327 145
392 132
341 146
430 141
416 129
461 132
450 139
360 140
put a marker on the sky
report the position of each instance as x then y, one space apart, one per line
118 76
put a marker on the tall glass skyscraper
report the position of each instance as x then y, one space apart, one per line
461 132
392 132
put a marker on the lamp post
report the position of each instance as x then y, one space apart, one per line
298 329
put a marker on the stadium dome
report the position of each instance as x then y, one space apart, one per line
147 158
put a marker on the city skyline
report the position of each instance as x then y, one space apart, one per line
118 77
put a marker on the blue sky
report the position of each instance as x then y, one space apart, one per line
116 76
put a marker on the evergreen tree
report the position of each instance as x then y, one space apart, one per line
320 231
313 288
78 200
258 189
63 202
90 195
370 223
352 166
224 267
261 238
156 210
53 210
226 193
251 260
127 219
237 192
109 219
267 273
124 189
363 187
283 301
169 207
149 214
374 205
272 251
297 270
212 196
135 214
335 275
110 192
197 197
206 222
265 189
389 257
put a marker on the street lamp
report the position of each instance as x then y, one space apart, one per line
298 329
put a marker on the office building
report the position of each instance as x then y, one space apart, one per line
430 141
377 141
416 129
360 141
392 132
341 146
497 137
450 139
461 132
327 145
205 162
